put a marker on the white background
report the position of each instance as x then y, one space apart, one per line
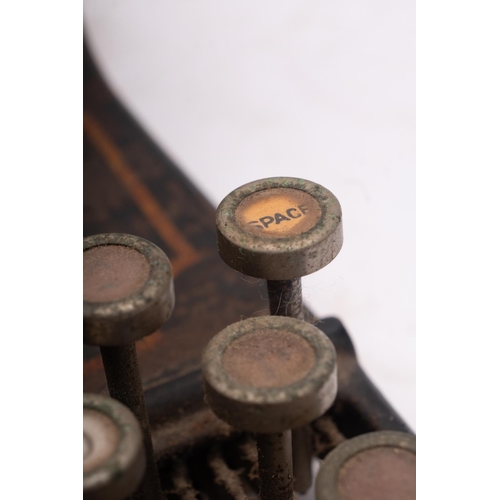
238 91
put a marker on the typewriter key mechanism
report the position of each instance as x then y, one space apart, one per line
127 294
218 412
282 229
268 375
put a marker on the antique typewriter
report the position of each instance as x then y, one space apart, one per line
270 400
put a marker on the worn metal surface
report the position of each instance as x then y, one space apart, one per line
255 408
275 465
113 457
124 385
181 419
131 316
131 186
281 229
373 466
185 428
285 299
286 254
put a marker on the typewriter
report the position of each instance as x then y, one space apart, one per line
176 427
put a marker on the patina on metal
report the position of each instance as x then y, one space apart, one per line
268 375
285 298
124 384
209 296
282 229
299 233
127 294
128 289
113 453
374 466
258 407
275 465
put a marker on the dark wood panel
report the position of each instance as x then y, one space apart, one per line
131 186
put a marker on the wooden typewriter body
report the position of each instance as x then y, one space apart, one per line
131 186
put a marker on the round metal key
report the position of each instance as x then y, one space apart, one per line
128 289
375 466
279 228
128 293
270 373
113 454
282 229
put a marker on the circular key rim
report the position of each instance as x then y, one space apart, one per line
326 481
284 257
122 472
129 319
271 409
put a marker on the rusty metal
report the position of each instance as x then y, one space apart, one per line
124 384
113 452
285 299
281 229
286 254
275 465
374 466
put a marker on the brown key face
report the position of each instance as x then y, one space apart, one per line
128 289
268 358
269 374
113 272
278 213
374 466
384 473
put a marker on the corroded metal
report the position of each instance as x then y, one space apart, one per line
128 294
269 375
124 384
285 298
373 466
139 313
281 229
257 248
209 294
113 453
275 465
270 408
